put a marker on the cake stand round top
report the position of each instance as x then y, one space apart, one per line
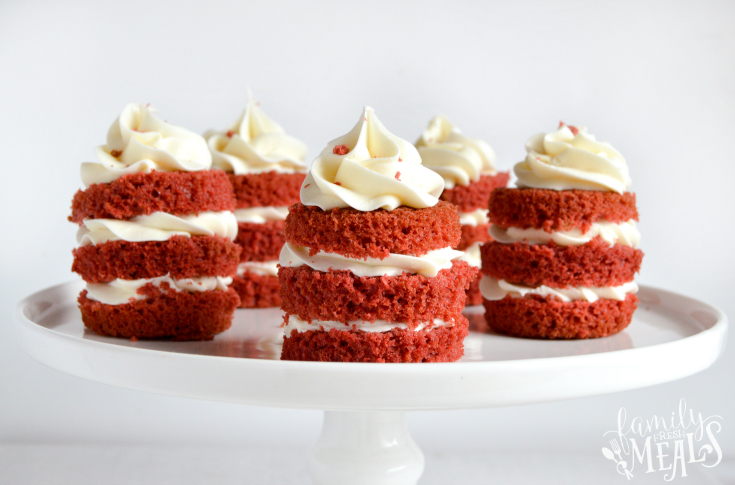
671 336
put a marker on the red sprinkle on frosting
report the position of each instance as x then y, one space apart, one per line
340 150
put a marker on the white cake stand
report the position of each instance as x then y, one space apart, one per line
364 438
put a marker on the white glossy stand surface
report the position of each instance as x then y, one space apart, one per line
364 438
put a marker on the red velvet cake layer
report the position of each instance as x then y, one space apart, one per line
473 295
260 242
176 193
473 234
257 291
439 344
266 189
377 233
475 195
557 210
180 315
549 318
594 264
341 296
179 257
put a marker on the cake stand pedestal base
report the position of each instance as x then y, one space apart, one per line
365 448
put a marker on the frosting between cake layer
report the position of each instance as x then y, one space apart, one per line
139 142
369 168
159 226
262 268
120 291
295 323
472 255
475 218
565 160
459 159
259 215
427 265
493 289
255 143
625 234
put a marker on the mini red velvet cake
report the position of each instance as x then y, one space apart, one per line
468 168
266 168
156 234
368 273
564 255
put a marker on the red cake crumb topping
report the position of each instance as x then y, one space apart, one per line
398 176
341 296
164 313
180 257
574 129
230 134
475 195
377 233
341 150
260 242
116 153
593 264
145 193
548 318
266 189
440 344
338 183
257 291
559 210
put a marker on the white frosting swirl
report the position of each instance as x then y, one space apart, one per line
159 226
295 323
459 159
259 215
625 234
119 292
378 170
139 142
493 289
472 255
427 265
563 160
255 143
262 268
477 217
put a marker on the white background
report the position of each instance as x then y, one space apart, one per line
655 79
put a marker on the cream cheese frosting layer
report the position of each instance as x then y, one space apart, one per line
295 323
119 292
493 289
625 234
571 158
459 159
255 143
259 215
427 265
159 226
477 217
472 255
140 142
262 268
369 168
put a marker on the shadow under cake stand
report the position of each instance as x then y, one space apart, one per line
364 437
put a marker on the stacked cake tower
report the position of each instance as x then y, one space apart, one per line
468 168
368 272
564 254
156 234
266 168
